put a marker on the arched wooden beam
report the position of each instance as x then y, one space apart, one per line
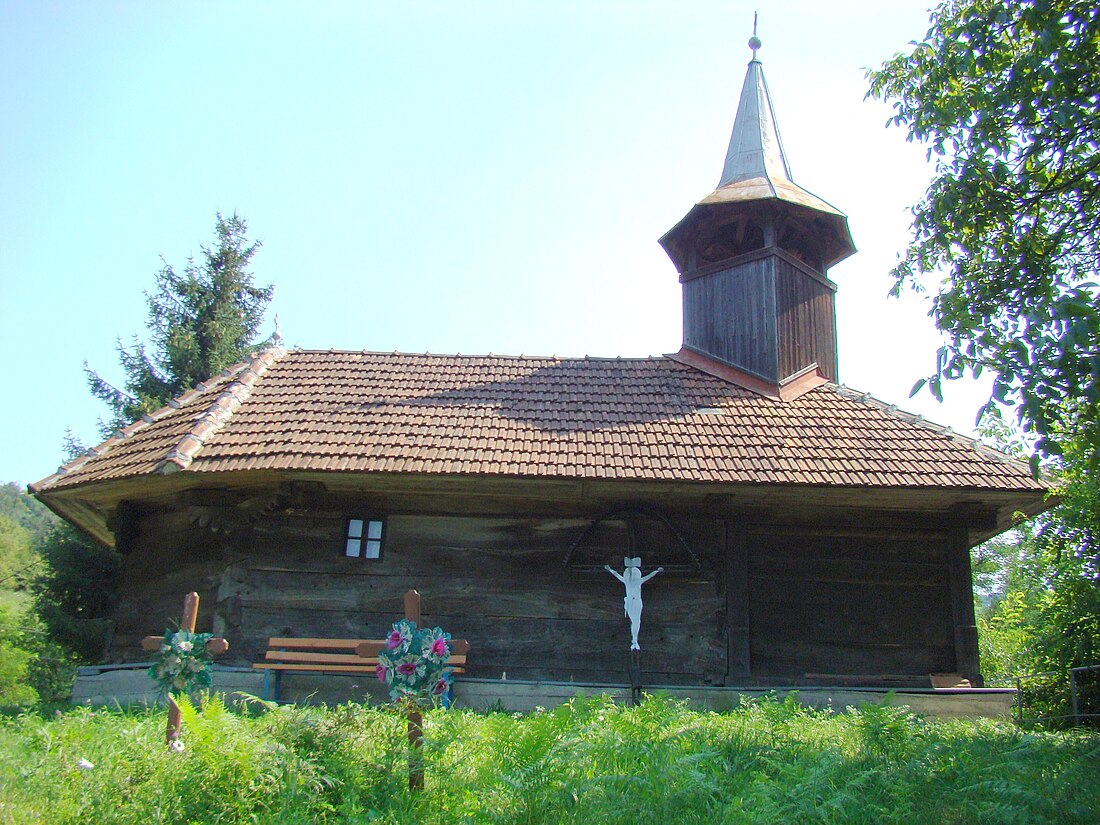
626 513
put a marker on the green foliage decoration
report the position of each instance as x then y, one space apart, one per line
1007 237
200 322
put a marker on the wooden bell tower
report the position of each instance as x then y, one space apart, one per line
753 257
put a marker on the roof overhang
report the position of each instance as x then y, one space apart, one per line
982 513
831 225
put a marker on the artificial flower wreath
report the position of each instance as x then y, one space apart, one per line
414 663
182 663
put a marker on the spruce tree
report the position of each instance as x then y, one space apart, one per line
200 322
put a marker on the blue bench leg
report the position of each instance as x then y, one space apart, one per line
266 693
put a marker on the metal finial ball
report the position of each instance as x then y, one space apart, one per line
754 43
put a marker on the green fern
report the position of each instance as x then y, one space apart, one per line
588 761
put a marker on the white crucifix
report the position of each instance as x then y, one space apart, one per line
632 580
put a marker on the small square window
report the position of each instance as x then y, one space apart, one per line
364 538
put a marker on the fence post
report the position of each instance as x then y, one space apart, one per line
1019 701
1073 693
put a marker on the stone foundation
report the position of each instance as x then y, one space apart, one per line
125 685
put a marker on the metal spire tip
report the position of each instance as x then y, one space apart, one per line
754 41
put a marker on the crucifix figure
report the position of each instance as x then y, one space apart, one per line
632 580
214 647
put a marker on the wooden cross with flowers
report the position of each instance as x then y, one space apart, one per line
417 664
177 649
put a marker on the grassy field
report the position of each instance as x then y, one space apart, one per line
587 762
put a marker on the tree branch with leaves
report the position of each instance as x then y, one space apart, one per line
1007 237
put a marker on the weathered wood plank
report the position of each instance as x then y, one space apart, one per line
368 666
962 607
848 601
738 640
305 657
557 595
559 647
851 623
335 668
793 568
418 543
859 601
806 321
850 544
500 579
800 658
740 298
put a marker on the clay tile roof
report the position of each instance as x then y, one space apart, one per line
616 418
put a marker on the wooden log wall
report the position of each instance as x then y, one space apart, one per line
168 558
497 581
774 605
826 605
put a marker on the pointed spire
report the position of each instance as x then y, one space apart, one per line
756 175
755 150
756 167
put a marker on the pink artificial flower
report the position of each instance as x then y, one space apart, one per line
406 668
382 672
394 640
440 687
439 647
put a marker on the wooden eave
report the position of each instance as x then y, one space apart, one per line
983 513
838 243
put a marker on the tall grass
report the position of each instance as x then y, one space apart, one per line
591 761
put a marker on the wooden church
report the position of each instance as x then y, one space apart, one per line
809 534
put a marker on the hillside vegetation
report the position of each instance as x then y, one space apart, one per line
589 761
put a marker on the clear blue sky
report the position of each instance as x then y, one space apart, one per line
425 176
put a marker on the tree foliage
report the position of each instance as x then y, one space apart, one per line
1005 96
15 660
200 322
75 594
32 667
1069 567
26 511
1040 591
17 557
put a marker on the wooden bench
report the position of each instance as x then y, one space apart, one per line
339 655
332 656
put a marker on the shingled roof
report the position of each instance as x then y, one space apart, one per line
640 419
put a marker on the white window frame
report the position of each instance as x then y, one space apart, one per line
364 537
